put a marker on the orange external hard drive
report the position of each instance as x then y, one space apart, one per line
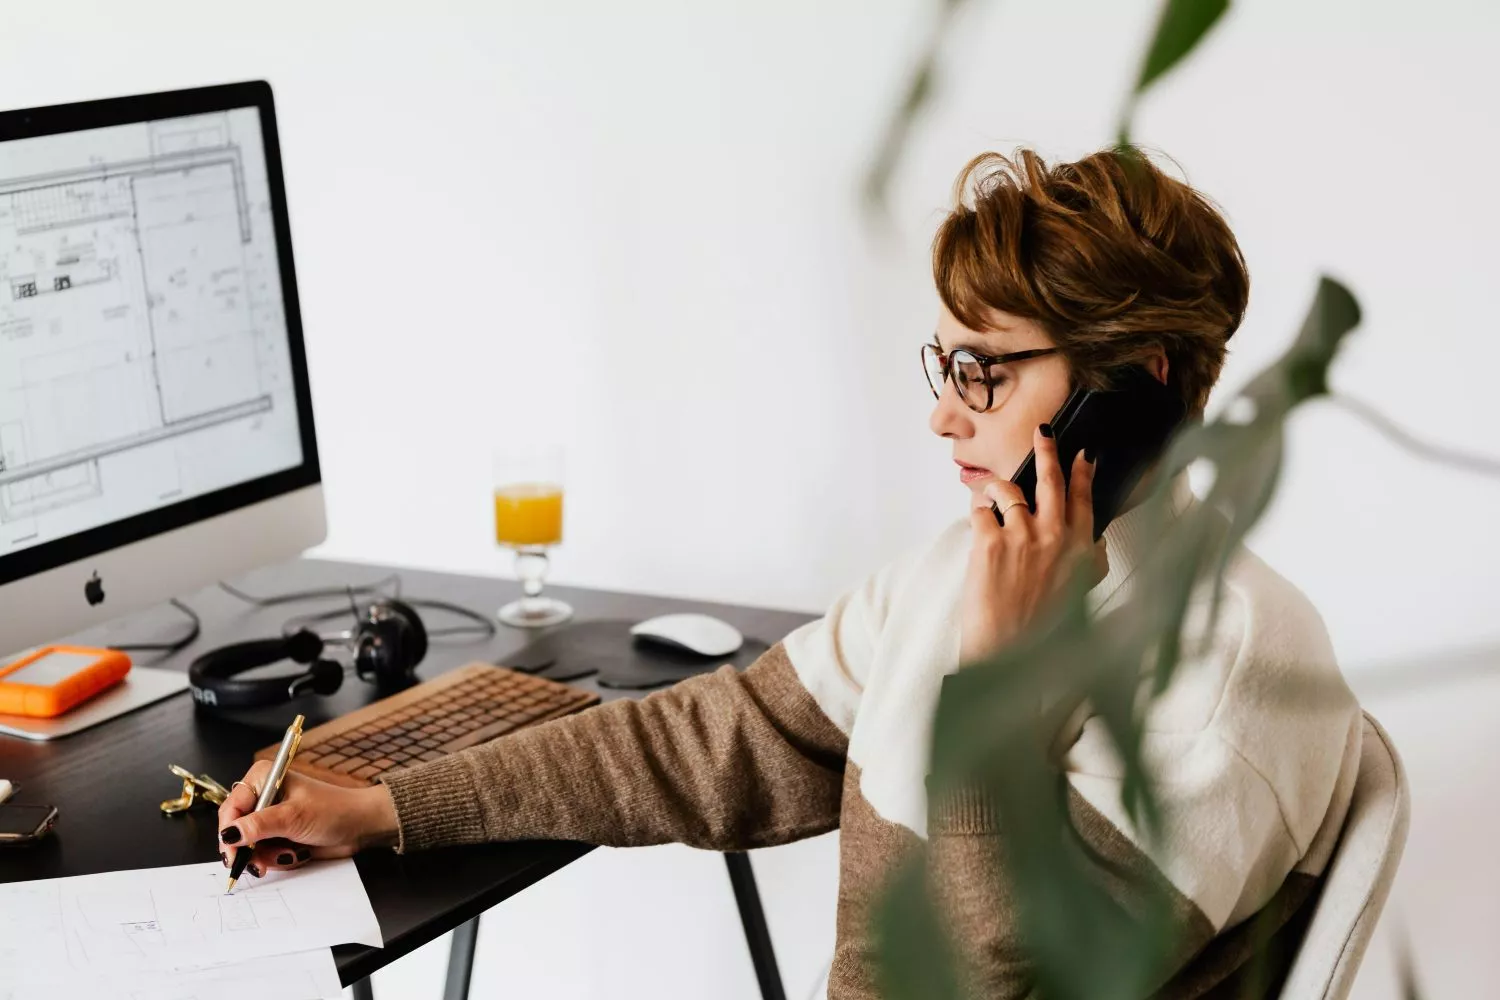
53 679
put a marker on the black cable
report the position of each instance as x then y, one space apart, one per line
481 624
168 648
323 593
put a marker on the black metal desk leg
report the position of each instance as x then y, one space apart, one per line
757 933
461 960
363 990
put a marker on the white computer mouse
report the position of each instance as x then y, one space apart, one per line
700 634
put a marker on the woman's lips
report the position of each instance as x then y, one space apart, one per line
970 473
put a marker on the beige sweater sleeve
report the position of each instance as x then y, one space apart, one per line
727 761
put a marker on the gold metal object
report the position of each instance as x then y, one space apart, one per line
289 744
195 788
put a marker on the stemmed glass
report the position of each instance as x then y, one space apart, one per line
529 520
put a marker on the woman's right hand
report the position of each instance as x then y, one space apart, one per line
311 819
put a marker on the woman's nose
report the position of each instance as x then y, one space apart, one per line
950 417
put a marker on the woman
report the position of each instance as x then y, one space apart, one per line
1050 276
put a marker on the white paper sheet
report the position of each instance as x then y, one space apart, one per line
177 919
308 975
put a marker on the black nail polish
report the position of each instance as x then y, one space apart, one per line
1089 455
284 858
1046 430
255 870
303 854
230 835
224 858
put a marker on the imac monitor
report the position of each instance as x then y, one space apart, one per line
156 428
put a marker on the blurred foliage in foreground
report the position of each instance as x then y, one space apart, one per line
996 720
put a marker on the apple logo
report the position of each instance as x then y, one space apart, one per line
94 589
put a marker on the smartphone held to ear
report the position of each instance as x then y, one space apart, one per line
1127 426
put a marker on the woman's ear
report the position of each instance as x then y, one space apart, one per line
1157 366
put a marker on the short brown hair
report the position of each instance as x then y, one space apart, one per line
1109 255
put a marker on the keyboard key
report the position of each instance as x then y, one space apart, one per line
481 735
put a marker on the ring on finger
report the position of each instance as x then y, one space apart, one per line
1000 511
253 790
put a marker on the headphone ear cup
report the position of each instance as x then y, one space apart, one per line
389 643
413 636
326 675
304 646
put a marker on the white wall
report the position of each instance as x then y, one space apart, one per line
634 227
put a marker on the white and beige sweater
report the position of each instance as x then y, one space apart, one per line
831 728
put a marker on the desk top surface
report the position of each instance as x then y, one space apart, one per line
108 782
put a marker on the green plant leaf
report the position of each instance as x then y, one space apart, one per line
1182 25
1179 29
915 961
916 95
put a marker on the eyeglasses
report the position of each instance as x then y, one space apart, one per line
970 372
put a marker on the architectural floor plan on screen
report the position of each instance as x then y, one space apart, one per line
143 345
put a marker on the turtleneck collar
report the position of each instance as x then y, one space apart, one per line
1127 538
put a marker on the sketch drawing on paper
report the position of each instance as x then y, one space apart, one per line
116 928
253 910
128 928
174 932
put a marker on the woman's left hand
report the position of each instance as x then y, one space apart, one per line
1016 570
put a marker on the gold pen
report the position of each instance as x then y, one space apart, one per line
279 766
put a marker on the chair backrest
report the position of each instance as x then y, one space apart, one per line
1359 876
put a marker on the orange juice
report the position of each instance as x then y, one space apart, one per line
528 514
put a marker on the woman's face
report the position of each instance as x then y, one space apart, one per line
991 445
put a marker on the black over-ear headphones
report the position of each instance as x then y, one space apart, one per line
387 642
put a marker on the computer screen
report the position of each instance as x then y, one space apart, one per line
156 426
144 350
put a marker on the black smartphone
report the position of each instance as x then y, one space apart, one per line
25 824
1128 425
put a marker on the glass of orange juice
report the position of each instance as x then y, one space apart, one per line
528 521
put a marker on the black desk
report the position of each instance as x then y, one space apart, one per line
108 781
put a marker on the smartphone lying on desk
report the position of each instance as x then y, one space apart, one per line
25 824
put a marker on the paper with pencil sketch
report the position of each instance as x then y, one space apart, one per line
308 975
179 919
